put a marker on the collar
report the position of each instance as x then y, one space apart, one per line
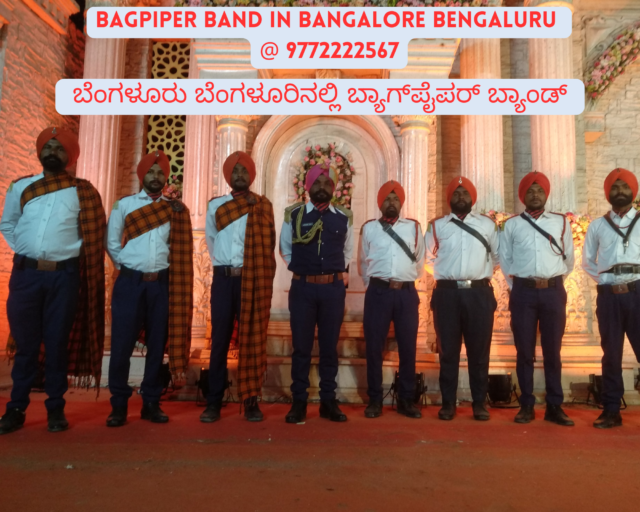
145 197
310 207
630 214
452 216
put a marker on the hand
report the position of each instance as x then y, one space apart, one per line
346 278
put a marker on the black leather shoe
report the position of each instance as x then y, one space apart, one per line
251 409
480 412
447 412
608 419
298 412
118 417
12 420
526 414
211 413
56 421
329 409
407 408
153 413
555 414
373 410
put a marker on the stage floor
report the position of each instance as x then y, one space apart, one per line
391 463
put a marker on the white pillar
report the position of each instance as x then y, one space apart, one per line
553 138
481 136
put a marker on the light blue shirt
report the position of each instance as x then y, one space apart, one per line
145 253
226 247
47 229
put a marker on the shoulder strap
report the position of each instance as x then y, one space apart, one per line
625 238
473 233
396 238
544 234
289 210
348 213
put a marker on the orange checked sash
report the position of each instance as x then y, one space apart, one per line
152 216
258 272
86 341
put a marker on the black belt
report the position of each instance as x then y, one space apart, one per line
554 282
468 283
394 285
623 269
618 288
146 276
227 271
25 262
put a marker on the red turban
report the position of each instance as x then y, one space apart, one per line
387 188
68 140
464 183
621 174
530 179
147 162
314 173
238 158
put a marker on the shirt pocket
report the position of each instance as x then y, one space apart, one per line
68 205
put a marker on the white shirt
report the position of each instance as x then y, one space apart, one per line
286 236
48 228
603 249
460 255
145 253
524 252
226 247
380 256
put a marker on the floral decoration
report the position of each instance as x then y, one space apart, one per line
613 62
332 3
338 163
173 188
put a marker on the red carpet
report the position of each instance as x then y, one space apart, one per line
387 464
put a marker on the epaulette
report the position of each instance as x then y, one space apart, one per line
414 220
504 222
362 228
115 205
494 222
289 210
18 179
432 221
215 197
346 212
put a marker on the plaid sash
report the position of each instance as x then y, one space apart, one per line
258 272
86 341
152 216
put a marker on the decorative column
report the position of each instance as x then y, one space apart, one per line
481 136
414 131
553 138
232 133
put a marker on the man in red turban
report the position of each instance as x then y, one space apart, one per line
611 256
536 255
56 291
462 253
241 238
149 239
390 260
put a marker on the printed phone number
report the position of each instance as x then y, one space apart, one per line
346 50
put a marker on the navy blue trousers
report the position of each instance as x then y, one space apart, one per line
546 308
138 304
464 313
618 314
311 305
381 306
41 308
225 309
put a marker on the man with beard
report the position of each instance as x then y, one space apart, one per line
149 239
536 254
241 238
391 259
55 224
611 256
316 242
462 252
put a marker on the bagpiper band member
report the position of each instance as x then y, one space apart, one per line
150 241
462 253
536 254
316 242
241 237
611 256
55 224
390 260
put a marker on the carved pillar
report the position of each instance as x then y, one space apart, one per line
232 131
414 131
481 136
553 138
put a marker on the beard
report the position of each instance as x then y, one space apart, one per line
621 200
240 186
52 163
461 207
391 212
320 196
154 186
